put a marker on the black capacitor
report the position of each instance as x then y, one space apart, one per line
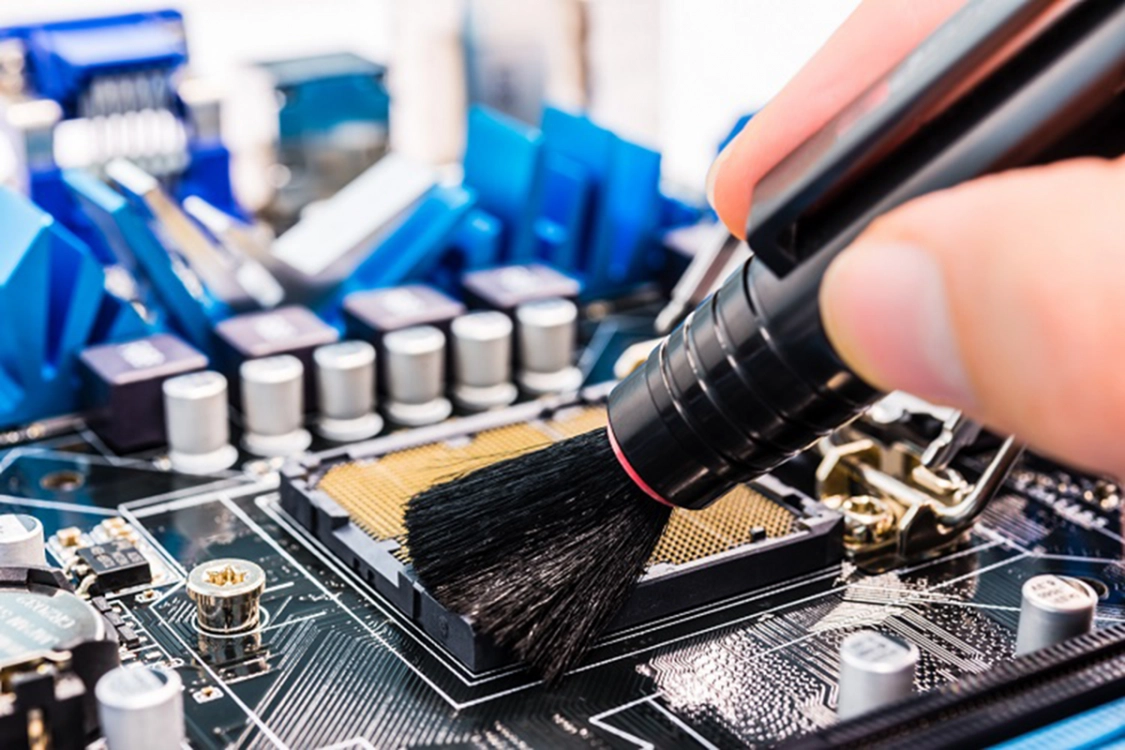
750 378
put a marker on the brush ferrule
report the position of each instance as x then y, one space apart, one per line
630 471
747 381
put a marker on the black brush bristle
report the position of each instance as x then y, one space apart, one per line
540 550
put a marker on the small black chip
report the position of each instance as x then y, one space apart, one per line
116 565
128 636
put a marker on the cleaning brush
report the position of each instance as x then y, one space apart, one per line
547 584
541 550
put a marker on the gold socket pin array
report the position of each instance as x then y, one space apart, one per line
375 492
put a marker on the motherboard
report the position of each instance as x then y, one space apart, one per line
733 637
214 414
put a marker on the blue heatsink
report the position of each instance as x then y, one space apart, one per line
53 303
571 194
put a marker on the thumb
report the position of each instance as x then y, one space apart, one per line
1003 297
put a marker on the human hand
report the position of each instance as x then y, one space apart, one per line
1001 296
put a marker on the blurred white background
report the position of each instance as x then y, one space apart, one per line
673 73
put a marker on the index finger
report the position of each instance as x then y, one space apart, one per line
871 41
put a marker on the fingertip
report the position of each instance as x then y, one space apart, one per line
729 187
886 311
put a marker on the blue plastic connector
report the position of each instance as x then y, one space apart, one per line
102 68
125 227
54 303
64 57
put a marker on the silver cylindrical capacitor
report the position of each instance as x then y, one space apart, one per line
273 406
875 670
547 332
415 370
345 384
141 707
196 419
21 541
1054 609
227 594
482 361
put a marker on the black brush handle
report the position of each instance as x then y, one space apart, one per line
747 381
750 379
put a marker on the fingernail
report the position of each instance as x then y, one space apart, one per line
713 174
886 311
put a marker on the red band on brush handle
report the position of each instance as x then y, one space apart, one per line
628 468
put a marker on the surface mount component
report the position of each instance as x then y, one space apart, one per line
21 541
415 367
122 383
1054 609
507 287
345 383
195 408
227 593
292 330
547 331
373 313
273 406
115 565
141 708
875 671
482 361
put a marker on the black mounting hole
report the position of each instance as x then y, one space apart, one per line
67 481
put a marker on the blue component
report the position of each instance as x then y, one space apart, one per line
208 177
124 225
585 151
478 240
335 103
504 166
573 195
49 192
621 239
1102 727
63 57
628 224
52 294
321 93
421 245
68 61
567 199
